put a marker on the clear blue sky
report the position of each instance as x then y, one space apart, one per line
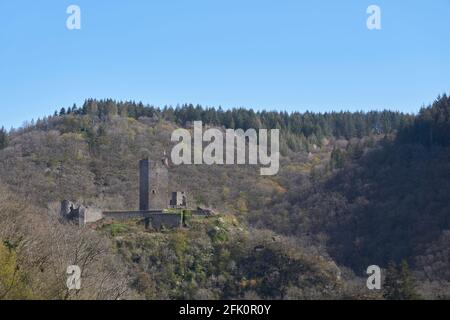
285 55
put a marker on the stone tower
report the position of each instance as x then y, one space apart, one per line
153 185
144 185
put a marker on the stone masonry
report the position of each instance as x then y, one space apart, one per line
153 202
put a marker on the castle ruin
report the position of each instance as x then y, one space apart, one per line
156 210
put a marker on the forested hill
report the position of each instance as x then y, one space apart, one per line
299 129
381 203
354 189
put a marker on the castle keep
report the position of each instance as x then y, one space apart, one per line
155 208
153 185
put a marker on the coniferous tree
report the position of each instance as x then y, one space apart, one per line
399 283
74 109
337 158
3 138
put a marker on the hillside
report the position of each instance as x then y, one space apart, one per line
354 189
384 202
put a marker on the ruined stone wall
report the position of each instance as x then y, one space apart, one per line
79 213
89 215
66 208
127 215
154 219
164 221
178 200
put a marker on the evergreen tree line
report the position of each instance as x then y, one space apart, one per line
298 130
432 126
307 125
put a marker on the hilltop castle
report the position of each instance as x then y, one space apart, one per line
155 208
